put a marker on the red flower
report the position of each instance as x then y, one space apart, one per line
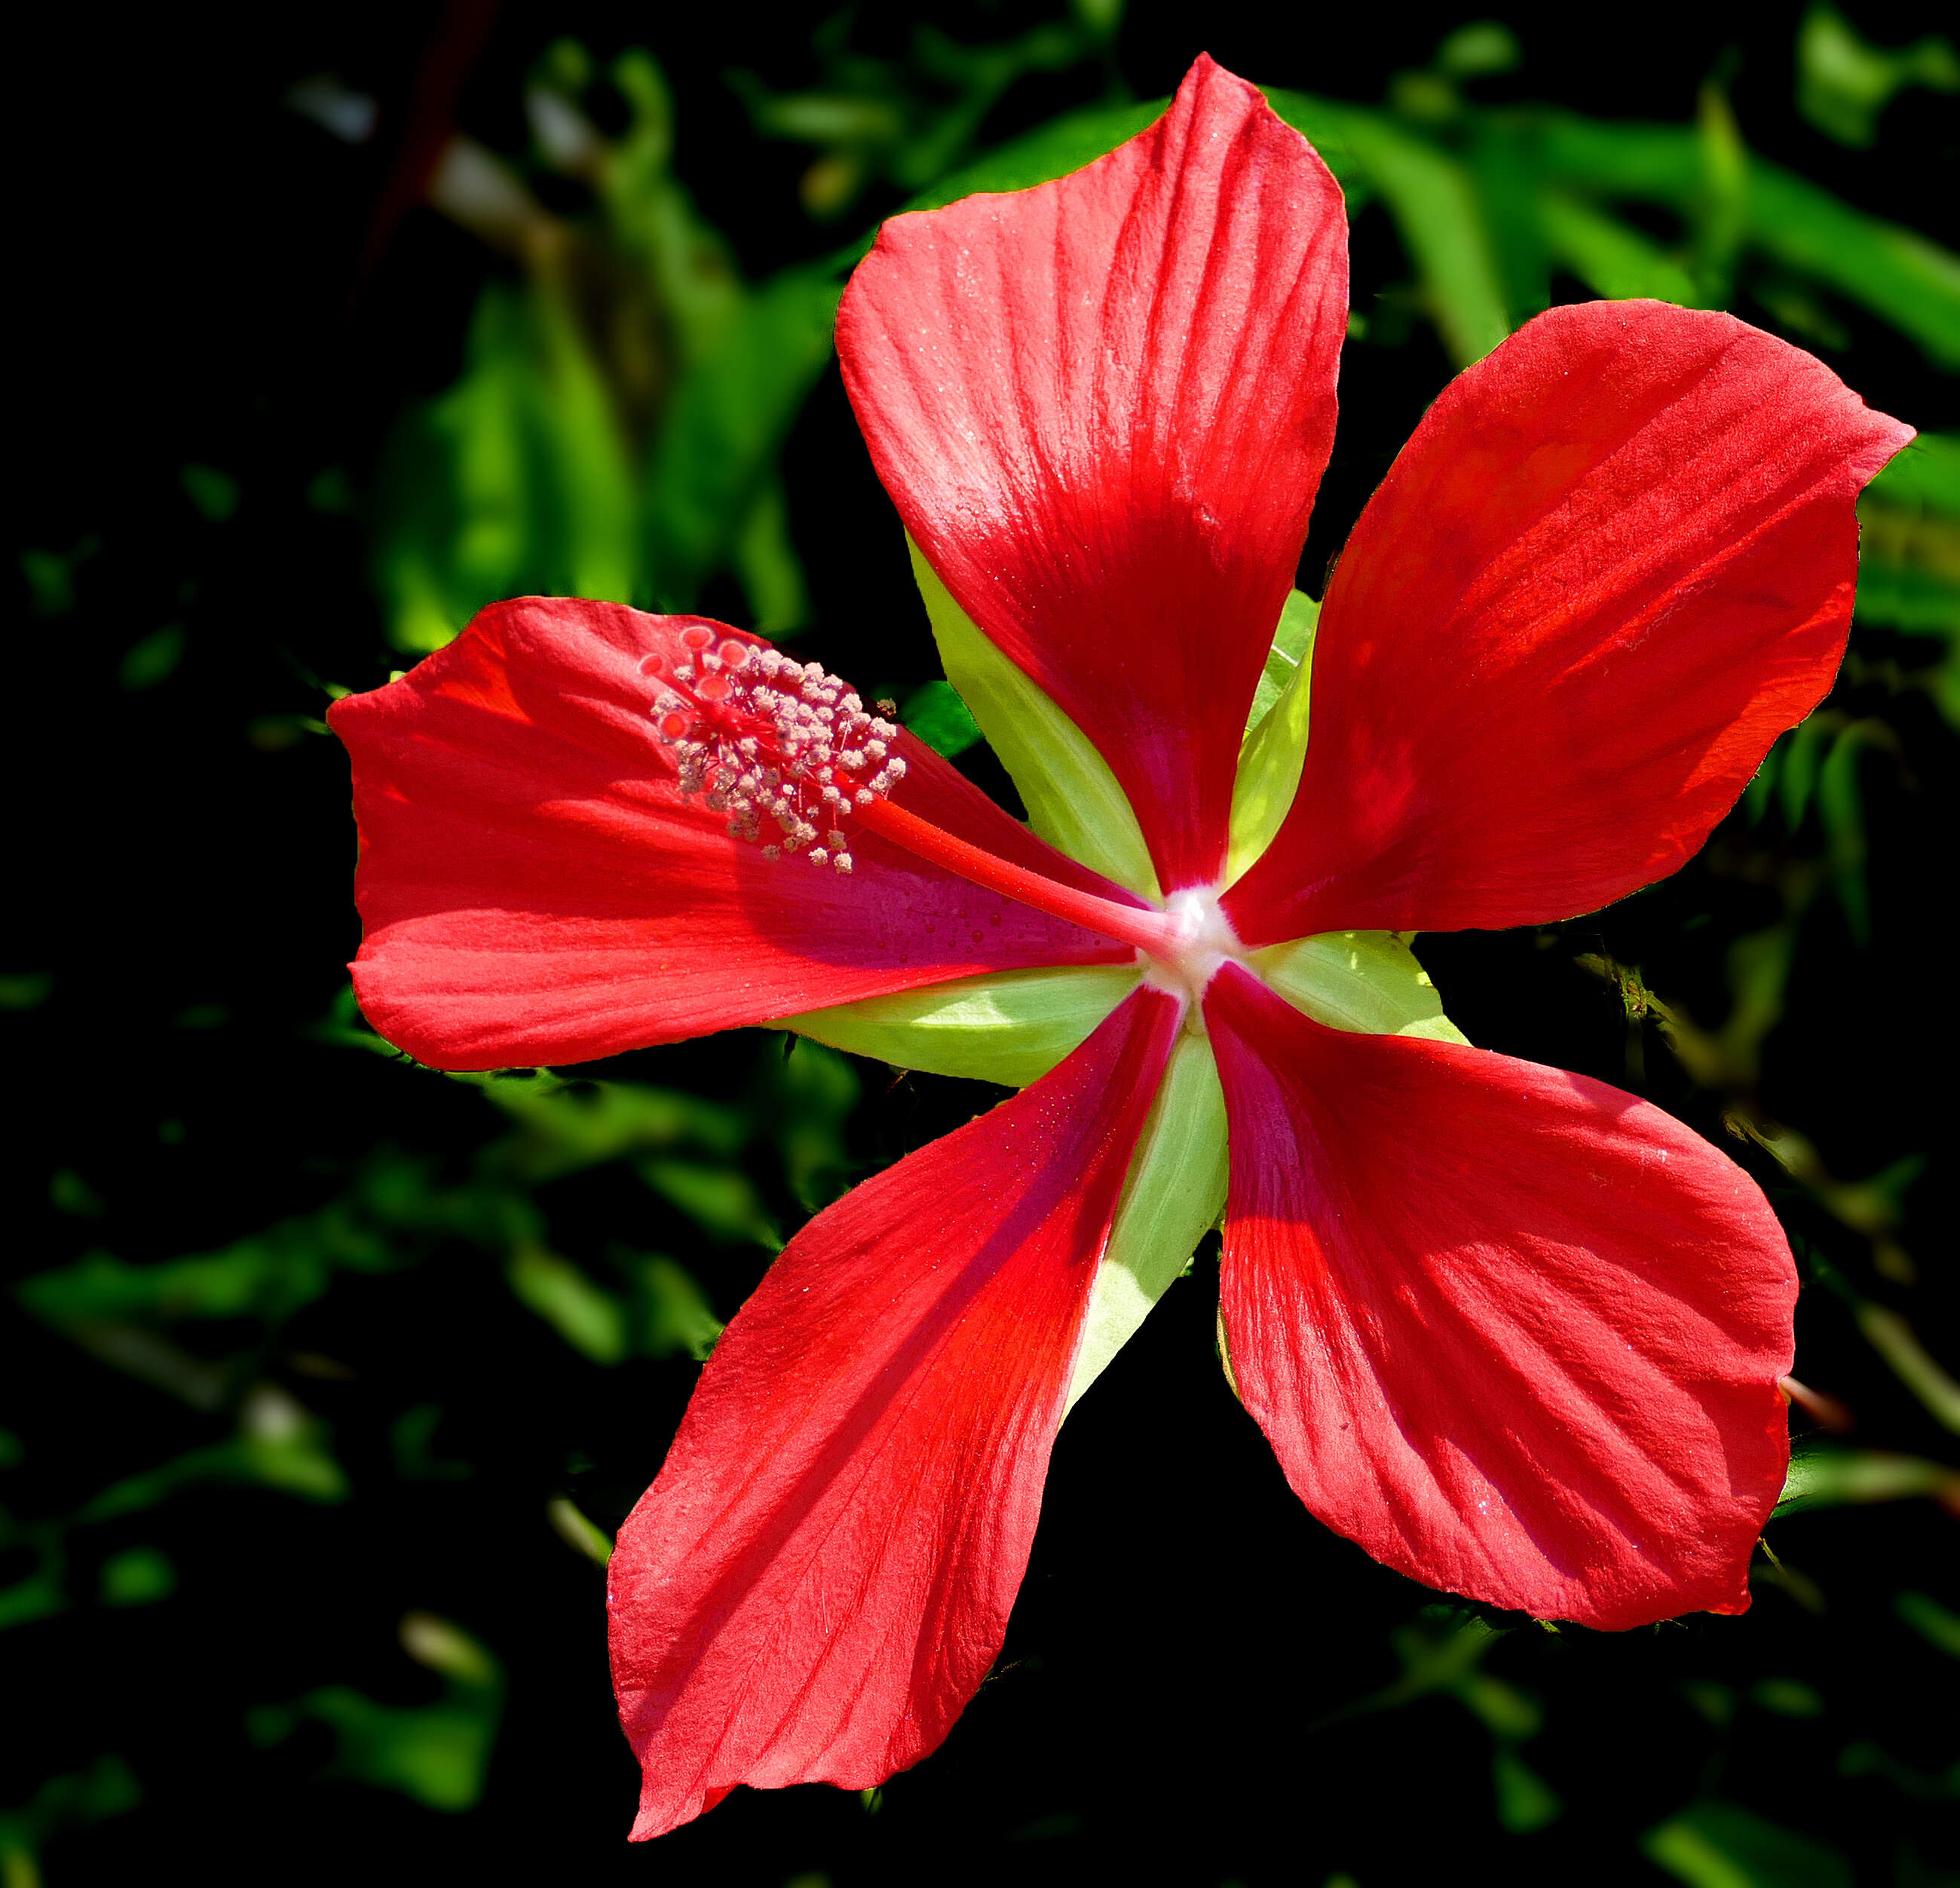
1517 1333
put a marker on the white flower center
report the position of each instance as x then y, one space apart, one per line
1206 941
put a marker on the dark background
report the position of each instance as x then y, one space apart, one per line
204 278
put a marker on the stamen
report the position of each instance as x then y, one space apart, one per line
768 741
764 737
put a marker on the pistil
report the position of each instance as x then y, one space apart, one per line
1151 931
793 756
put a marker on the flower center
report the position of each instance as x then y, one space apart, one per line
1204 942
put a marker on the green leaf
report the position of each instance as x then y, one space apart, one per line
69 1192
1840 807
105 1788
1010 1028
516 481
1439 215
1524 1800
137 1577
589 1318
1072 798
1275 745
39 1596
1884 1329
1174 1192
1440 1651
269 1275
1909 582
939 718
1895 272
279 1446
1479 50
1796 777
1611 258
51 576
1500 172
807 1097
214 493
1718 215
1844 82
1925 476
1788 1698
722 1201
153 659
714 454
566 1128
1617 157
1930 1620
438 1755
579 1532
673 1311
1714 1845
1368 981
1832 1478
1909 540
26 990
762 558
411 1442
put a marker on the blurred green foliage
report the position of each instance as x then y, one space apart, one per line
397 1208
907 122
1715 1845
1843 83
107 1787
1442 1652
438 1754
615 431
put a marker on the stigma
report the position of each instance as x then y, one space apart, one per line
1202 943
786 750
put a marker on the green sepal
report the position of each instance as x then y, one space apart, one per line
1275 747
1368 981
1012 1027
1175 1193
1072 798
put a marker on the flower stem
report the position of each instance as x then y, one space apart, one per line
1146 930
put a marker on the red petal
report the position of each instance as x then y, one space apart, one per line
1517 1333
822 1575
1102 407
1614 562
534 889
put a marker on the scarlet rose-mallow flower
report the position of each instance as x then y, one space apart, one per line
1517 1334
